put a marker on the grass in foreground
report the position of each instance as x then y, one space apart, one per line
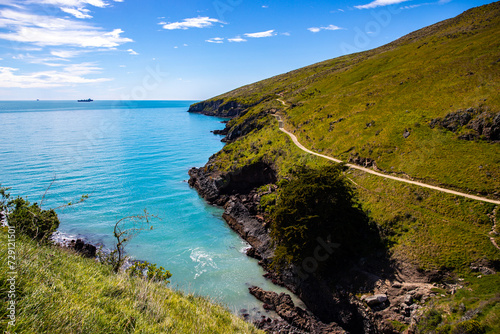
58 291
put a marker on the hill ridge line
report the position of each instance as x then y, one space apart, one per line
281 126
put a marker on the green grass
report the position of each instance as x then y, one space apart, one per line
404 85
473 309
361 104
430 229
58 291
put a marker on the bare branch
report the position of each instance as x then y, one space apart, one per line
47 190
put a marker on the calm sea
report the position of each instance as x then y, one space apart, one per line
128 156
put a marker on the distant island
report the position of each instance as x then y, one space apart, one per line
87 100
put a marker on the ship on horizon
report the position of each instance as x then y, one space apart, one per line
87 100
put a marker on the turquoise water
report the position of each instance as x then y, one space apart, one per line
129 156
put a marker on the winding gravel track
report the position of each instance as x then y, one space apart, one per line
370 171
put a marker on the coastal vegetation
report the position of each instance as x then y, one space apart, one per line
319 204
49 289
425 107
58 291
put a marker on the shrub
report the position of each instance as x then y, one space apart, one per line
319 203
468 327
149 271
31 220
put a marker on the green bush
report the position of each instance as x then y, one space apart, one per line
468 327
318 205
149 271
429 322
32 220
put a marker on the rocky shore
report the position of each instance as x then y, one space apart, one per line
389 291
366 295
79 245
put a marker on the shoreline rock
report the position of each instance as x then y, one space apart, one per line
331 300
232 192
79 245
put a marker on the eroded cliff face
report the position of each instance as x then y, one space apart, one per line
219 108
237 192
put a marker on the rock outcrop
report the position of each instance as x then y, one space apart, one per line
219 108
471 124
297 317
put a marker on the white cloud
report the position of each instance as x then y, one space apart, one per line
378 3
265 6
262 34
195 22
45 79
70 3
132 52
237 39
65 53
216 40
80 13
330 27
51 31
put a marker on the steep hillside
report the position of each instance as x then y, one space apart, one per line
425 107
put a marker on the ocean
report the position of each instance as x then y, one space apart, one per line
129 156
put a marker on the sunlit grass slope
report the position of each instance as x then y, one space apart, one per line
362 104
60 292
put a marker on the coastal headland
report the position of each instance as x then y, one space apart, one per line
423 108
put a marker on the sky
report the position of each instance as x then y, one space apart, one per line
187 50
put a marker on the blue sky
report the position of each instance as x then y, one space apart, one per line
187 50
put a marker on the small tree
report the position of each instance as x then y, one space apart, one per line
123 235
318 203
31 219
5 197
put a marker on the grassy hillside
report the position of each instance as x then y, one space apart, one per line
57 291
362 104
425 107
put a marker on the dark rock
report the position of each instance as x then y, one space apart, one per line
365 162
408 299
376 300
208 185
85 249
283 305
222 132
483 124
406 134
220 108
434 276
252 252
250 229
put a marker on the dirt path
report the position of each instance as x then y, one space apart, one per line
370 171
